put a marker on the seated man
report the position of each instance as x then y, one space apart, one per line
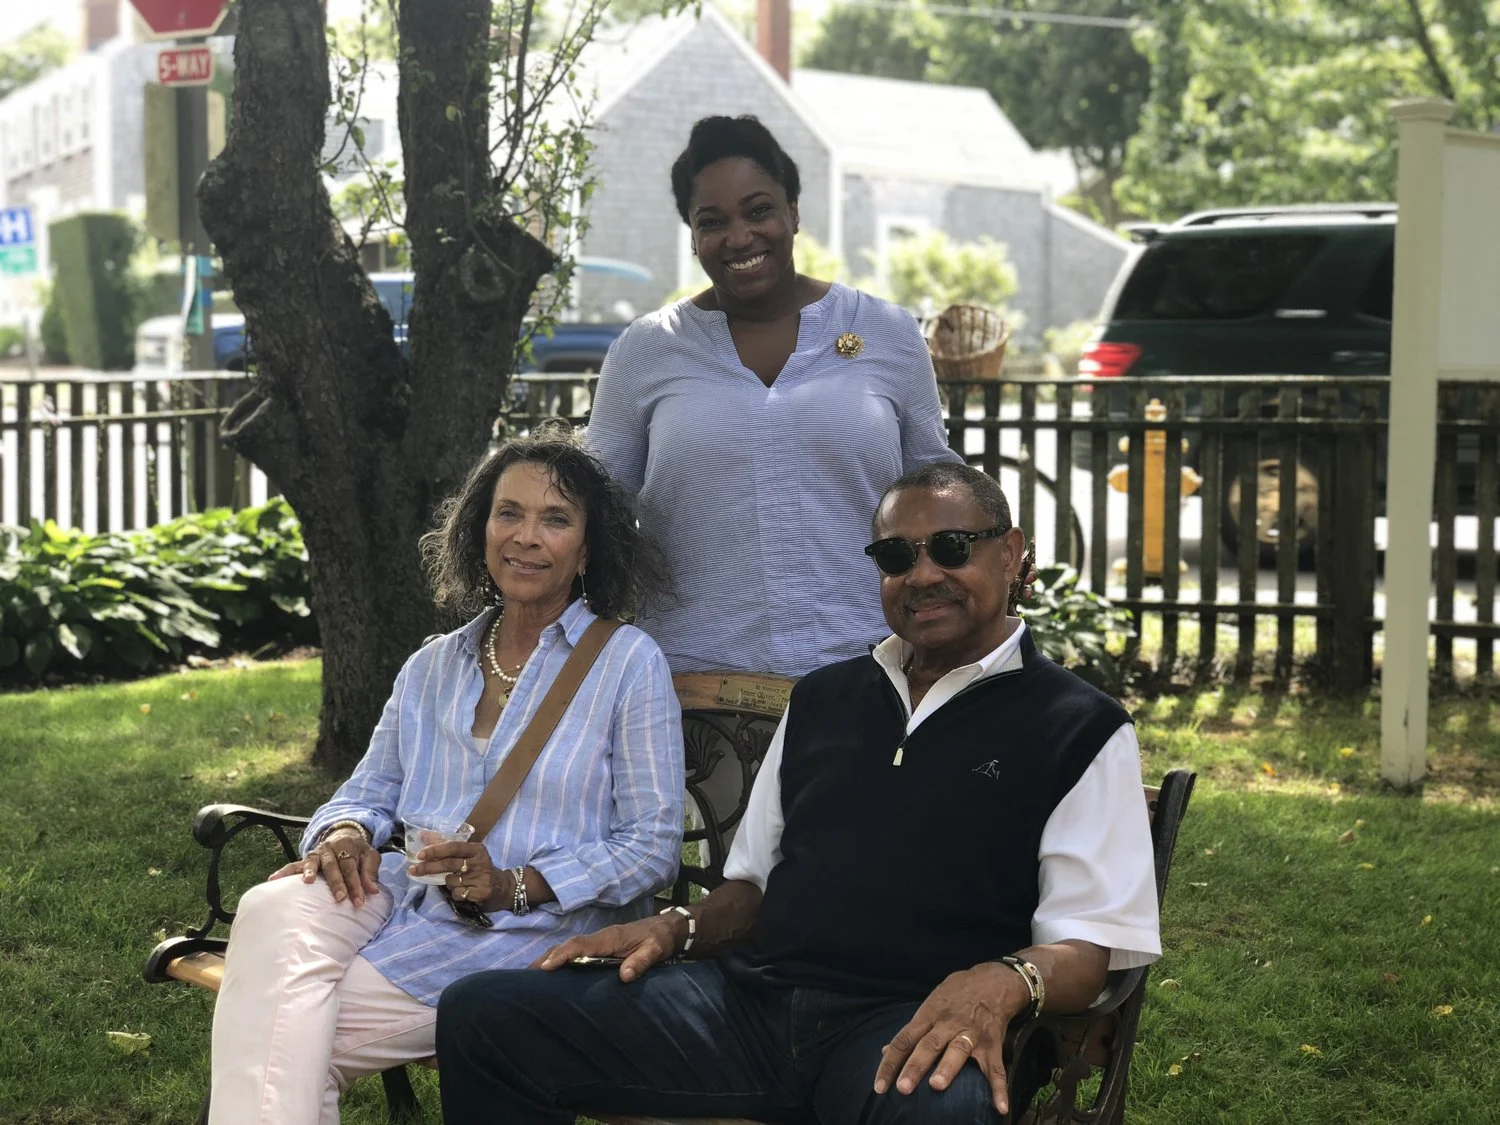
945 835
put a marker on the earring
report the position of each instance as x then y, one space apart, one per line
495 597
583 588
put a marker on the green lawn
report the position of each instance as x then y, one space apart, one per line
1312 975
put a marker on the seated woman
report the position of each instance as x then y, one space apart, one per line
337 974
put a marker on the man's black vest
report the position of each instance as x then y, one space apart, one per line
893 877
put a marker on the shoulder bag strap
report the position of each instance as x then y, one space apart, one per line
502 788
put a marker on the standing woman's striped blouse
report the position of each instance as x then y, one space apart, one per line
762 496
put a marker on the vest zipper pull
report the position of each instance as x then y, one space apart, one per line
900 750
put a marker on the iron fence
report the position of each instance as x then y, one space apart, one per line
1232 516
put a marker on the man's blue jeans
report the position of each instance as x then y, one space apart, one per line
523 1047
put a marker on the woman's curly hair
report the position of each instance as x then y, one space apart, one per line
625 570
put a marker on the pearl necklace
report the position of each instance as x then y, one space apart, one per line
494 662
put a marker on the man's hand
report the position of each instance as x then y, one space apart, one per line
642 944
964 1017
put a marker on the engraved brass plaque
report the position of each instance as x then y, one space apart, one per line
754 694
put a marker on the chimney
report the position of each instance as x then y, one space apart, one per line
773 35
101 22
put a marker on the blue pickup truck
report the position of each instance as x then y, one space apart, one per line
572 347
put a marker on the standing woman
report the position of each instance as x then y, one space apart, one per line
759 423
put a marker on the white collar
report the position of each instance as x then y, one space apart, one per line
893 652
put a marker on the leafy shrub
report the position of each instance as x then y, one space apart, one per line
117 604
53 332
1074 626
100 294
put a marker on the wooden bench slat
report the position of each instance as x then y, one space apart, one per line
206 970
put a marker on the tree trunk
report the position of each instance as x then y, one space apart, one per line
363 443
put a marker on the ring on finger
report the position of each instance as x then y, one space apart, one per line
342 855
464 870
969 1043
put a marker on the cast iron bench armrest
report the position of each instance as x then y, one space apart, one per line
210 827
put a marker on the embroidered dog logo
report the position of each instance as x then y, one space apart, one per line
990 769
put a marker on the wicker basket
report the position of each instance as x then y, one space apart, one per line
967 342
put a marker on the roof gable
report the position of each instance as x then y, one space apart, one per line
919 130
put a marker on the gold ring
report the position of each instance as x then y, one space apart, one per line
342 855
464 893
966 1039
464 870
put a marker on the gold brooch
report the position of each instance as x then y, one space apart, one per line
849 345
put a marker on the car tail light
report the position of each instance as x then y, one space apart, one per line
1102 360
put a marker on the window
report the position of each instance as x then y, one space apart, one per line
1217 278
893 229
65 123
46 136
85 112
1380 291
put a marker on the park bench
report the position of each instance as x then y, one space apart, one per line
728 720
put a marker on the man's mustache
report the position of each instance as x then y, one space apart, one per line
939 596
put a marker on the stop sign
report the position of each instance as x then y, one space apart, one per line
181 19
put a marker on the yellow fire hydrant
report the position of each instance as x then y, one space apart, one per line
1155 513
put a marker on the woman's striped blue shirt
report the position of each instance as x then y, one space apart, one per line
761 496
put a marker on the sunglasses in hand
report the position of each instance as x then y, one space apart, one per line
948 549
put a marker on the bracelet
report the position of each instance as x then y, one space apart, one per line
518 904
337 824
1034 984
692 927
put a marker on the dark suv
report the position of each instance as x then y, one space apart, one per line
1264 291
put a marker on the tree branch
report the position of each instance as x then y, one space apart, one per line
1429 51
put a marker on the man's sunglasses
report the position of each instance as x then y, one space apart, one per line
949 549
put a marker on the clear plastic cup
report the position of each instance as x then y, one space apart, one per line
428 833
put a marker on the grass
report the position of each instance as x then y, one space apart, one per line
1332 953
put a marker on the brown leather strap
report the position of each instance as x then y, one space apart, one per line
503 786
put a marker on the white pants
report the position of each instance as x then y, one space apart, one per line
300 1014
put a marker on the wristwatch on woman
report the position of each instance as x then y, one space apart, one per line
337 824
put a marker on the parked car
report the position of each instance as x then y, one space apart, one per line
1255 291
571 346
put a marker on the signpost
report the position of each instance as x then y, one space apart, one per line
188 68
181 19
185 66
17 243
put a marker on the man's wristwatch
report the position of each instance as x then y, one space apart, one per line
692 927
1034 985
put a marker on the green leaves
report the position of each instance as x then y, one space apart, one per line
1074 626
112 604
1247 109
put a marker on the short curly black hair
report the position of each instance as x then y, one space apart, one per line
626 569
724 138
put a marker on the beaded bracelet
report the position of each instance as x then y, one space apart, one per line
518 904
692 927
